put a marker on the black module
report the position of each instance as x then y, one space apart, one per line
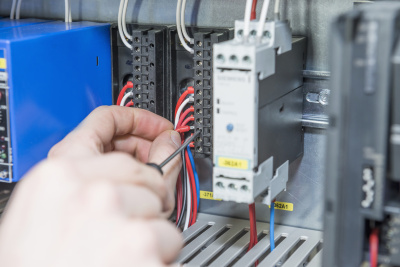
196 70
362 188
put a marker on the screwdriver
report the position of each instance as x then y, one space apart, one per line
165 162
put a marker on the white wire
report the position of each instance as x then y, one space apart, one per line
179 28
126 96
247 15
277 3
13 7
178 113
185 34
123 21
66 10
263 17
120 29
18 13
188 204
69 12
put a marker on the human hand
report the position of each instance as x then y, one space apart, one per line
89 206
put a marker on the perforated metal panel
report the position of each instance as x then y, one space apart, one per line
221 241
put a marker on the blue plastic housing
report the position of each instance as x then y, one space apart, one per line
57 74
12 23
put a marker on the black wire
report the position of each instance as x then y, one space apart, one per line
187 142
184 191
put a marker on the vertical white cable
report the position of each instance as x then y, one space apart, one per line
263 17
18 13
123 20
185 34
277 4
189 205
247 15
13 7
179 28
69 12
66 10
120 29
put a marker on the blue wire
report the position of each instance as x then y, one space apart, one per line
196 176
271 227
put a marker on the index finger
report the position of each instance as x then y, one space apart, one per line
96 133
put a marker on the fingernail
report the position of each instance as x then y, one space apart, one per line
176 138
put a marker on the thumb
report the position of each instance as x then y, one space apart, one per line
163 146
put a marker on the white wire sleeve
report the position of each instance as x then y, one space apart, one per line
179 28
126 96
277 5
178 113
120 29
18 12
13 7
188 204
247 15
69 12
125 30
263 17
185 34
66 11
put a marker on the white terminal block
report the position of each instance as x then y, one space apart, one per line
238 67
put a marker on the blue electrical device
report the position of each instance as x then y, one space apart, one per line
12 23
52 75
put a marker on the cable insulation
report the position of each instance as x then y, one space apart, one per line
128 85
263 18
184 32
120 28
373 247
247 15
13 7
196 176
271 226
179 28
18 13
126 96
253 15
123 22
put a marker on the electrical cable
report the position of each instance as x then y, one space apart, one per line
196 176
374 247
184 32
188 203
183 129
247 14
123 22
263 18
13 7
184 190
129 104
179 28
178 194
126 96
184 114
120 28
129 84
66 11
189 119
253 10
193 186
276 9
178 113
69 12
189 90
18 13
271 226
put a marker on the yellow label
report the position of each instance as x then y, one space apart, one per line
233 163
283 206
207 195
3 64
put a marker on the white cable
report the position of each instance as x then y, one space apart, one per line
120 29
123 21
277 3
188 204
185 34
126 96
18 13
69 12
178 113
263 17
179 28
13 7
66 10
247 15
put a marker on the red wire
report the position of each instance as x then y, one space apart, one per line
253 10
129 84
183 115
129 104
185 122
373 247
183 129
190 90
192 144
193 188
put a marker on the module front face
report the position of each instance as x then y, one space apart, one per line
5 143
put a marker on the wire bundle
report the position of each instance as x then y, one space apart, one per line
180 26
122 29
15 9
123 96
188 189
